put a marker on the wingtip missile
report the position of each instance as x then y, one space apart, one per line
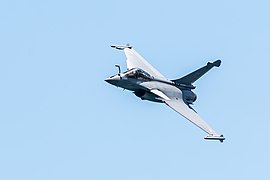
221 138
121 47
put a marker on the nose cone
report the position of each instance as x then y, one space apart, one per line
113 80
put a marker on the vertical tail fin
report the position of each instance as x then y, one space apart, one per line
195 75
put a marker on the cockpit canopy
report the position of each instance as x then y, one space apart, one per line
137 73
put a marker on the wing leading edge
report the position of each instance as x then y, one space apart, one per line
135 60
180 107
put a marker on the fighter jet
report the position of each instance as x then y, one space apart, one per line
148 84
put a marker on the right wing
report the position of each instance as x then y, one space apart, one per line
135 60
180 107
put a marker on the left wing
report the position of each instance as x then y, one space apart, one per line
179 106
135 60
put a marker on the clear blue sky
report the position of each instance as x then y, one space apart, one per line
60 120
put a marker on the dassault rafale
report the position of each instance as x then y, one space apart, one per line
148 84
